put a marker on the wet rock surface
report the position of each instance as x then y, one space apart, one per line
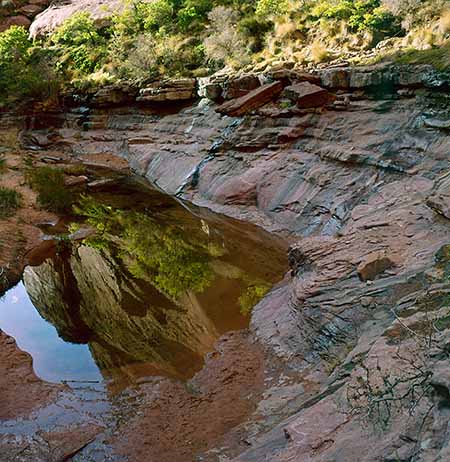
359 328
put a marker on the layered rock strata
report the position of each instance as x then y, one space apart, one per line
361 181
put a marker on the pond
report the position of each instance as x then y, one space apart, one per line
149 288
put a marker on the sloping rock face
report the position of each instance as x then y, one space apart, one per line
360 183
58 12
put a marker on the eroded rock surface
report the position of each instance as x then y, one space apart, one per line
361 184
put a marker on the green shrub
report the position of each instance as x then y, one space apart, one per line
49 184
271 7
360 15
3 165
10 201
79 46
439 57
22 73
193 12
255 29
158 14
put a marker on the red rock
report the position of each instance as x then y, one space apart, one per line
235 88
31 10
307 95
440 204
253 100
15 21
373 265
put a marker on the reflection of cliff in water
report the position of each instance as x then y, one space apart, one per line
148 298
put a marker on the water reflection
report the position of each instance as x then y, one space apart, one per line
149 293
53 358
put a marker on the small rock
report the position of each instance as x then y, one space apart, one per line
374 265
436 123
307 95
75 180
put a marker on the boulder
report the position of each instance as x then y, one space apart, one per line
211 87
57 13
373 265
307 95
18 20
336 78
240 86
253 100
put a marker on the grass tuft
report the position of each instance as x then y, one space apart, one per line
10 201
438 57
48 182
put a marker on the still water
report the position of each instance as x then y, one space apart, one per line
149 293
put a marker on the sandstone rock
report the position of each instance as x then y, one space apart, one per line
17 20
251 101
423 75
289 76
211 87
335 78
57 13
441 204
112 95
75 180
169 90
373 265
31 10
441 378
240 86
307 95
99 184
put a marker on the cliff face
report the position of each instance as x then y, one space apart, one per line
360 178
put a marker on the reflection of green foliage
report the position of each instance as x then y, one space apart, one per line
177 265
252 296
162 254
100 217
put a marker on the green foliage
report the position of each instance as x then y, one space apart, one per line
48 182
252 296
439 57
359 15
193 11
10 201
20 73
176 264
80 47
149 40
3 165
255 28
266 8
158 14
161 254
